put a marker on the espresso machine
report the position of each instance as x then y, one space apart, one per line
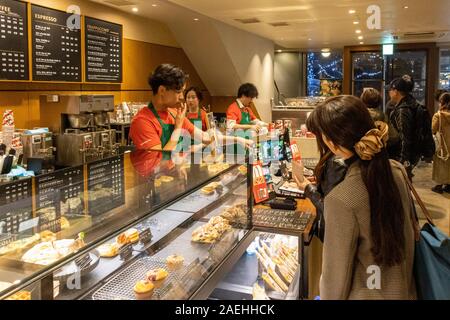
38 144
85 134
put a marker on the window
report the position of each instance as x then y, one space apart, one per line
367 72
444 70
324 74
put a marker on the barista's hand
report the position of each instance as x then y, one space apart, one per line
181 114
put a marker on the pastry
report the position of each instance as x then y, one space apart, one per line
208 190
108 250
243 170
259 293
156 274
65 223
174 262
21 295
47 236
271 283
132 235
122 239
158 183
166 179
46 253
143 290
212 231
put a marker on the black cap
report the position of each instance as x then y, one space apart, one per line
403 84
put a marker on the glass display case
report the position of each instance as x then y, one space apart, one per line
105 230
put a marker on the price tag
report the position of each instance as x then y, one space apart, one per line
146 236
84 261
126 251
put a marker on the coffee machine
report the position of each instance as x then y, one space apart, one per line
37 144
85 134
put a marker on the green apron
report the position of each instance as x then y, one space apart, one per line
167 130
245 120
198 124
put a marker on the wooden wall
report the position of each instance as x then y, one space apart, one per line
139 60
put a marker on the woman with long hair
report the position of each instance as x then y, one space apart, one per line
368 248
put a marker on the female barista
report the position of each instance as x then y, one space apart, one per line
160 126
196 115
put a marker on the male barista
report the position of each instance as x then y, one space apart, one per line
239 114
159 126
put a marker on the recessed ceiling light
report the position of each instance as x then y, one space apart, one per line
135 9
279 50
196 19
360 37
355 22
405 7
309 39
362 42
352 11
154 5
358 31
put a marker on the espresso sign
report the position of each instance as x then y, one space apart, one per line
56 46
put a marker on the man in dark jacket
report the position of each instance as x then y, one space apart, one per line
403 120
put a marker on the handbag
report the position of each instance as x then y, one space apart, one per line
432 255
441 146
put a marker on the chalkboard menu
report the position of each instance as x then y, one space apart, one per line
56 48
13 40
16 207
103 46
106 185
59 193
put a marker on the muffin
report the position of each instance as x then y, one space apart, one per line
143 290
157 277
174 262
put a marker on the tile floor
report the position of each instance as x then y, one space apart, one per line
437 204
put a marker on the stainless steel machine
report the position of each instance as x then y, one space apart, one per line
38 145
85 133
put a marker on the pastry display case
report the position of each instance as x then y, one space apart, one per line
137 226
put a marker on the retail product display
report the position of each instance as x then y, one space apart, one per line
212 231
17 246
174 262
284 219
259 293
210 188
217 167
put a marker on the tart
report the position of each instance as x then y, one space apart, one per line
208 190
122 239
21 295
157 274
243 170
108 250
143 290
166 179
174 262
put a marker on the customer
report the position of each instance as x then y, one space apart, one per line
441 167
369 231
403 119
374 101
437 96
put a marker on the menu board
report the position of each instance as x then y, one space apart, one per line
13 40
106 185
57 194
103 46
16 207
56 49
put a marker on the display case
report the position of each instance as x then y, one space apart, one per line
101 230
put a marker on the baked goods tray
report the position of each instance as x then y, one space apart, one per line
120 287
230 202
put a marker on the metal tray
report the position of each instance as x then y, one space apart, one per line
71 268
120 287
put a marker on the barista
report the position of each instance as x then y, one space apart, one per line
195 113
160 126
240 115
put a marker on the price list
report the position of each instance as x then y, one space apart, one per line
103 46
15 206
13 40
56 46
106 185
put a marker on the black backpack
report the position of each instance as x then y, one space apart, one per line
425 142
